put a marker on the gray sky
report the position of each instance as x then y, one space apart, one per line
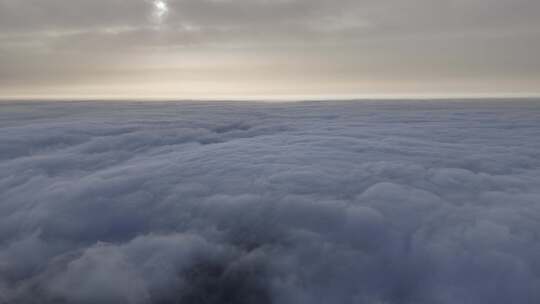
268 48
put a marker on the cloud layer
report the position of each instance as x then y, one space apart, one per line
108 47
384 202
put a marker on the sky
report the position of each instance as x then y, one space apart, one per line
206 49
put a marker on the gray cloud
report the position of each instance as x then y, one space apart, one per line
386 202
464 46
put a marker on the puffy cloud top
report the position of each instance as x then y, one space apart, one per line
383 202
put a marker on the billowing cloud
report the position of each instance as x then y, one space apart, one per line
386 202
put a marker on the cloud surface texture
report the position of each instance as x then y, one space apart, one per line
311 202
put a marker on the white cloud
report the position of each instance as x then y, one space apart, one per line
270 203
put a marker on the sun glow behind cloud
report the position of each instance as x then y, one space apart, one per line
161 8
237 48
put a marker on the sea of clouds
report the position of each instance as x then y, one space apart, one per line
290 203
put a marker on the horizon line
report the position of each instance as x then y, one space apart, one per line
275 98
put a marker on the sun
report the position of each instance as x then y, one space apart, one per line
160 10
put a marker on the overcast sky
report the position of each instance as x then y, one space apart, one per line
268 48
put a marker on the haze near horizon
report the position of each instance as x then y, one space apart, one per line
242 49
